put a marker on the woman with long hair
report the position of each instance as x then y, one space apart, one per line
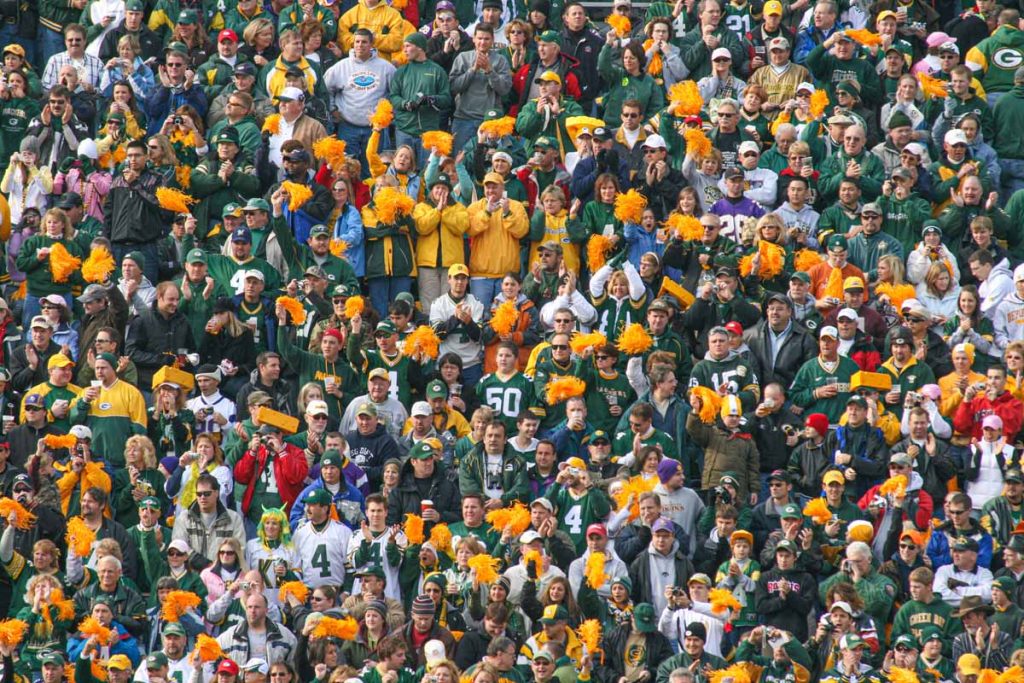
402 167
228 343
48 617
521 48
258 42
554 221
939 293
891 275
206 456
557 591
619 297
34 260
229 566
44 561
196 39
162 158
624 68
969 325
599 213
1013 357
138 479
128 67
348 221
273 552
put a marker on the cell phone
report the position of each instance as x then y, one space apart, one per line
807 162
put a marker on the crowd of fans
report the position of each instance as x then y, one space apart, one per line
677 343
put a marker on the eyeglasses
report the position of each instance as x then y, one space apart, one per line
915 319
631 115
175 65
603 357
318 417
104 341
33 408
226 552
72 41
204 494
958 512
908 546
726 114
559 347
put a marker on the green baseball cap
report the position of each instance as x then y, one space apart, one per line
550 36
318 497
52 657
837 241
422 451
177 46
195 256
134 6
319 229
387 326
437 389
188 17
151 502
157 660
790 511
173 628
231 209
229 135
644 618
256 204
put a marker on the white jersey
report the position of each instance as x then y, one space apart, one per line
323 553
207 406
179 671
377 556
264 560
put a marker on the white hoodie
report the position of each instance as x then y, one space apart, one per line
996 287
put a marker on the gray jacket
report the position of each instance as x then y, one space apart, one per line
476 92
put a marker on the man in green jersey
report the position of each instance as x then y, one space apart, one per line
726 372
229 271
578 503
822 384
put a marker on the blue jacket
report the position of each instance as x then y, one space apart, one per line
569 444
162 101
586 172
939 548
809 38
125 645
347 494
349 227
640 242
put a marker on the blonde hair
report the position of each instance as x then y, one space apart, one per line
59 214
256 26
146 448
931 277
895 263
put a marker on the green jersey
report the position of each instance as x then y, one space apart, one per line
548 370
230 274
613 316
404 372
623 443
732 371
506 397
256 314
576 513
817 373
604 391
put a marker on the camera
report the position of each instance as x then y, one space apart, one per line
722 495
177 120
245 585
788 430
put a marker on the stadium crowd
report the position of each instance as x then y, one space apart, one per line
492 341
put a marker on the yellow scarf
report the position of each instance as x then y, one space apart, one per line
188 491
276 79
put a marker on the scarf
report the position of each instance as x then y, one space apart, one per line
188 491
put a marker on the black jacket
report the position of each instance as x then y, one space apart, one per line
702 315
131 214
153 340
613 664
787 613
584 48
771 440
280 394
935 470
406 497
636 536
50 524
23 377
799 347
66 142
370 452
662 195
640 574
150 43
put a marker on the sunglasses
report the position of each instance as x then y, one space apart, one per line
559 347
631 115
908 546
226 552
204 494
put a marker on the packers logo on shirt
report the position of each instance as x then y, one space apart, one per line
1007 58
635 655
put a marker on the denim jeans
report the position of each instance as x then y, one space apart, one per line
383 291
1012 178
356 138
484 289
48 44
463 130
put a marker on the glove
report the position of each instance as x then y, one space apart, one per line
953 584
410 105
531 570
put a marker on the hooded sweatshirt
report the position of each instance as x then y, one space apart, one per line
996 287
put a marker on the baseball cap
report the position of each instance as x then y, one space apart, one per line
291 94
851 641
366 408
41 322
733 172
969 664
828 331
552 246
257 664
495 178
901 459
422 451
846 314
801 276
790 511
544 503
778 42
654 142
457 269
833 477
966 543
195 256
663 524
554 614
1018 273
227 34
721 53
156 660
380 373
955 137
59 360
173 628
227 666
317 408
598 529
121 662
420 409
992 422
242 235
548 76
437 389
244 69
843 605
529 536
318 496
644 618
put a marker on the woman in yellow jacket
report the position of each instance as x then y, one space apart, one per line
386 22
955 384
441 223
390 262
555 224
496 224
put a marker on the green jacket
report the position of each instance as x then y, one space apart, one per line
998 57
56 14
37 273
291 17
214 194
298 257
576 514
833 170
248 134
914 616
624 87
812 375
215 73
531 124
877 590
313 367
409 83
236 21
697 57
15 115
389 250
1009 121
902 218
831 70
514 483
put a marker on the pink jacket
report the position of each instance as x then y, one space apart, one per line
93 190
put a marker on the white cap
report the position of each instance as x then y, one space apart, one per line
910 305
955 137
1018 273
847 313
253 272
87 148
529 536
949 46
81 432
843 605
257 664
748 146
805 86
317 408
420 409
180 545
655 142
828 331
915 148
721 52
292 93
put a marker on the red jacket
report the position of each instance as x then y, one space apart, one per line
524 77
923 516
969 414
289 472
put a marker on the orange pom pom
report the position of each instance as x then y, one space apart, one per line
331 150
296 311
685 227
771 261
629 206
498 128
582 341
440 139
383 115
413 529
338 247
62 263
441 538
183 176
723 600
896 486
298 194
484 567
423 341
91 626
209 649
687 99
710 403
819 101
343 629
598 248
593 571
620 23
79 537
11 632
863 36
99 265
170 199
391 203
563 388
504 319
589 633
632 490
805 259
23 519
272 124
354 305
515 518
58 441
178 603
834 284
697 142
931 86
818 511
634 340
897 294
296 589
